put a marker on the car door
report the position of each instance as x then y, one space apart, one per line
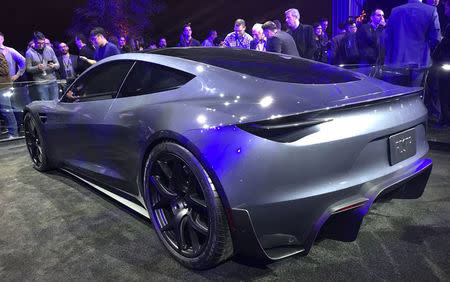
77 124
135 113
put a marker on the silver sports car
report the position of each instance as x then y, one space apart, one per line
235 151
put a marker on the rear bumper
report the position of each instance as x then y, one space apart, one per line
324 214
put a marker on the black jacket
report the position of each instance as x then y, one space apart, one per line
304 39
194 42
75 64
88 52
368 40
282 42
253 44
442 52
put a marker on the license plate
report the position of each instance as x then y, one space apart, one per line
402 146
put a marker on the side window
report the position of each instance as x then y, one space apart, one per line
100 83
146 78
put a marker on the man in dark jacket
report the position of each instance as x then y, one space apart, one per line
441 61
68 63
343 47
303 34
279 41
368 37
86 49
103 48
186 39
413 31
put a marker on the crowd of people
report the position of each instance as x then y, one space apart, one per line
405 41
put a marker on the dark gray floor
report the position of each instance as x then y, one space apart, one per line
53 228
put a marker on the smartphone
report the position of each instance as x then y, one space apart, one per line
50 62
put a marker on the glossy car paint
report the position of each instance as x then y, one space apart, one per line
279 193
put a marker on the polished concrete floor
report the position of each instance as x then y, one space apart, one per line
54 228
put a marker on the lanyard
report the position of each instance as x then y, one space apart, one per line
41 57
239 41
67 62
190 41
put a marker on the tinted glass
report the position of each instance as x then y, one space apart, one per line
100 83
270 66
146 78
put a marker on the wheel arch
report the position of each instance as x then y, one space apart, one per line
170 136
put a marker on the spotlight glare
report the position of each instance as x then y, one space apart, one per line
266 101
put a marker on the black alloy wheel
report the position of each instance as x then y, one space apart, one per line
35 144
185 209
179 205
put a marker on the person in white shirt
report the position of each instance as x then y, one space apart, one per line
259 41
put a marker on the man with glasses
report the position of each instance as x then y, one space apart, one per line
68 63
103 48
42 63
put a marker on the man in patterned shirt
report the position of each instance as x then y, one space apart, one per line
239 38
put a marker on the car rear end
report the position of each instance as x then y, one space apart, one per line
297 147
287 178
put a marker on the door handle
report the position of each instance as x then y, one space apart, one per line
43 117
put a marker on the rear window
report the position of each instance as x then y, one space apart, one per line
278 67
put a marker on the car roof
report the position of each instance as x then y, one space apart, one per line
266 65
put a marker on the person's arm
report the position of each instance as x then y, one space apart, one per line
310 43
333 51
89 61
55 60
20 60
4 66
29 65
113 50
274 45
76 64
434 33
49 55
363 36
226 41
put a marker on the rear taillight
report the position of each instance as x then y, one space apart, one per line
286 129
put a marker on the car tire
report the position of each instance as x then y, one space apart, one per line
36 145
185 208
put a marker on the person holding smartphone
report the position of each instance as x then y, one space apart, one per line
41 64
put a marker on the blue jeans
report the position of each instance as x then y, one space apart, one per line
46 91
7 112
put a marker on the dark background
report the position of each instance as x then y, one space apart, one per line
220 15
20 18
